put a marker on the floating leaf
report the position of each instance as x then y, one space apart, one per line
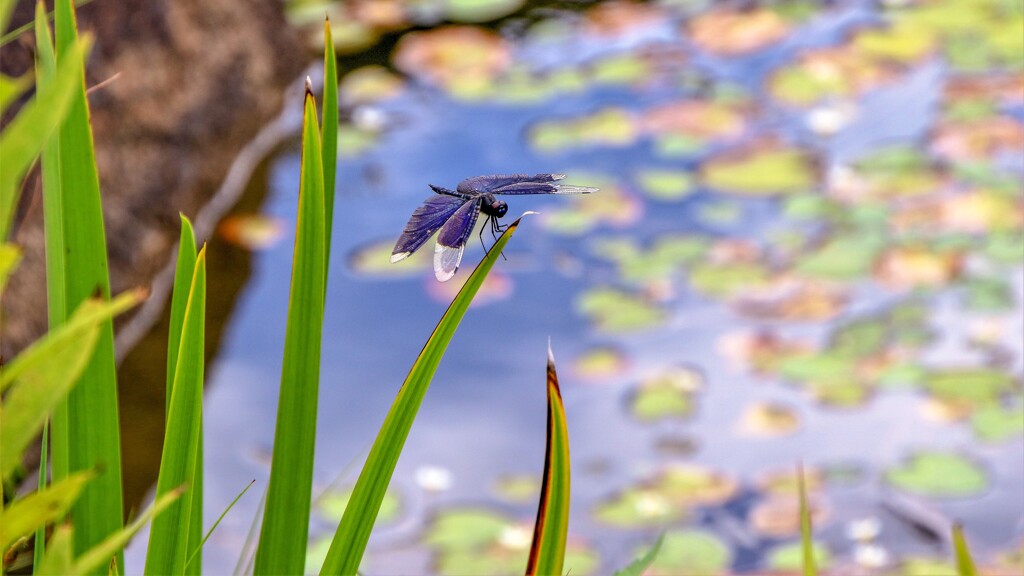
331 506
666 395
842 258
691 553
727 279
998 424
517 488
462 59
666 184
374 260
778 516
789 557
768 420
988 295
939 474
479 10
369 84
760 171
251 231
601 363
579 214
617 311
465 528
973 387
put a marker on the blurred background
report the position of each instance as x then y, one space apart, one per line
808 247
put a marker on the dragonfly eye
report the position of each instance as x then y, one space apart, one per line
499 207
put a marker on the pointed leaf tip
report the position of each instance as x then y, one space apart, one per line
309 86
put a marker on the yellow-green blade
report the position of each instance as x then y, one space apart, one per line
547 552
58 559
353 532
170 538
282 544
640 565
23 139
25 515
91 429
806 532
329 135
964 562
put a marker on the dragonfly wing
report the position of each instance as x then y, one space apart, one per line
485 184
451 241
542 188
426 220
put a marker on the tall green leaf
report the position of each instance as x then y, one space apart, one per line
90 433
22 139
59 557
964 562
547 551
170 538
183 274
353 532
806 532
329 135
282 545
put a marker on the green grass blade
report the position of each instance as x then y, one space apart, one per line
806 532
964 562
547 552
183 274
25 136
170 537
196 552
36 510
640 565
6 7
97 558
91 428
329 134
59 557
282 545
353 532
11 88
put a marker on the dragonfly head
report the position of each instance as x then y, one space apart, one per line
491 206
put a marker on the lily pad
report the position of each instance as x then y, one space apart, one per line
601 363
369 84
789 557
988 295
576 215
612 127
622 69
463 59
666 184
666 395
727 279
690 553
998 424
666 257
728 32
478 10
761 171
779 516
768 420
618 311
331 505
465 528
842 258
917 266
973 387
517 488
353 141
637 507
939 474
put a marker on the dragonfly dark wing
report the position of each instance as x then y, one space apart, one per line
521 184
426 220
451 241
485 184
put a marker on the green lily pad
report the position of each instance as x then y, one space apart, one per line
789 557
479 10
331 505
369 84
465 528
988 295
517 488
576 215
901 376
763 171
898 171
601 362
860 339
695 485
666 184
666 257
939 474
974 387
353 141
625 69
916 566
721 213
997 424
1006 247
677 145
637 507
617 311
727 279
668 395
811 207
903 43
613 127
842 258
690 553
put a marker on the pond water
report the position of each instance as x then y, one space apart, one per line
807 247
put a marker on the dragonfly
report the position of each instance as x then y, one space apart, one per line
455 212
